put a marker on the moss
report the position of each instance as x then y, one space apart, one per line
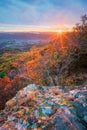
40 112
2 74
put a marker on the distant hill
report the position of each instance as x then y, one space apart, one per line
25 35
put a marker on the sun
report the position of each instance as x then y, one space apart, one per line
59 31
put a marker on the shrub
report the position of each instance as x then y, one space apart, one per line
2 74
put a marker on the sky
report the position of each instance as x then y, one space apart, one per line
40 15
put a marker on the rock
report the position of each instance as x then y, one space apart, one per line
11 103
36 113
73 92
30 87
81 93
42 108
66 121
45 111
85 118
24 95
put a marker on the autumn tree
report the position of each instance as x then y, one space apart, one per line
81 32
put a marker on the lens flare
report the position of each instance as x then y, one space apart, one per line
59 31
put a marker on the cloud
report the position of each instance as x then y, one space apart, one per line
41 12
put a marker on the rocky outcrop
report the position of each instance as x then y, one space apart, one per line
46 108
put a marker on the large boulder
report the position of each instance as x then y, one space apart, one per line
45 108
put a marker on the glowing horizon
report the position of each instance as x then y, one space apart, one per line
32 28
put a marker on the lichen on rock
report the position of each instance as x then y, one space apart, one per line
41 108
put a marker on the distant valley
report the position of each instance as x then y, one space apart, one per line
22 40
